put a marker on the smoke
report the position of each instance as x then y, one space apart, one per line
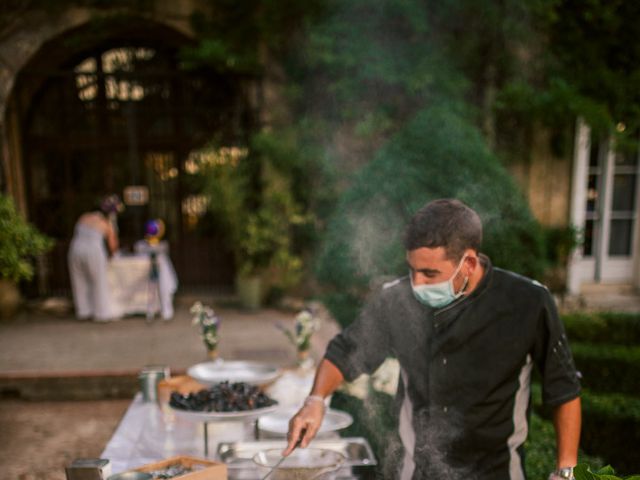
375 234
436 436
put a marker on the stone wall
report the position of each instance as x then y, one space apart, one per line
545 179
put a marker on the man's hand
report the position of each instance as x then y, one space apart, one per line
305 424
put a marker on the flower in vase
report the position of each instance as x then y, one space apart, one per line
306 324
209 322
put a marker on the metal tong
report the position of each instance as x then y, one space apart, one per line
283 457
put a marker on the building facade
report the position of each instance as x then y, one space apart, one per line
93 101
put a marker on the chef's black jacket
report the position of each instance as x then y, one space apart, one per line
464 391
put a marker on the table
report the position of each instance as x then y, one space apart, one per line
147 434
134 291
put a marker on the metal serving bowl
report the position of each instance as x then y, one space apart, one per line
301 464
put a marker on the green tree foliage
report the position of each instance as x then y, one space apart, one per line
391 106
438 154
361 76
594 48
235 35
579 59
252 198
365 68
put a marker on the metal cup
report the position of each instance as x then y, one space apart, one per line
149 378
89 469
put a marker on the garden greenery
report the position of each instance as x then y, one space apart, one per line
357 74
438 154
20 243
252 198
603 328
397 102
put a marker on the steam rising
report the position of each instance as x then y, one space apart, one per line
375 232
436 434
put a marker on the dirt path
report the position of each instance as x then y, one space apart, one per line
38 439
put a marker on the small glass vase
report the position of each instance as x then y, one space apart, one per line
212 354
304 360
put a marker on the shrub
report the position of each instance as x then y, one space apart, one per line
540 449
615 406
20 242
608 368
610 423
605 327
611 427
438 154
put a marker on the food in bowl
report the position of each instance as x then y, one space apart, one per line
222 397
301 464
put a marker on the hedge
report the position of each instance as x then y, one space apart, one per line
540 450
611 427
608 368
605 327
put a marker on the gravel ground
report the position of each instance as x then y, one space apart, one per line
38 439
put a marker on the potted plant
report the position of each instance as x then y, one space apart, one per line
253 201
20 243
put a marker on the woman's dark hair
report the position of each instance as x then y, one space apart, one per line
445 223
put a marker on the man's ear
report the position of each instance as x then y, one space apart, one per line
471 261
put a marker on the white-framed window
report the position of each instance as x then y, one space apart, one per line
605 209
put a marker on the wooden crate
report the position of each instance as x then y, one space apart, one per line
210 471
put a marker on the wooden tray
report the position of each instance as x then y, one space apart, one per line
208 470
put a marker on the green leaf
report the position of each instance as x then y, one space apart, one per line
583 471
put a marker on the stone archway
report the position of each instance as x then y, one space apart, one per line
103 105
25 31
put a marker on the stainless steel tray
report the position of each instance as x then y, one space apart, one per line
238 455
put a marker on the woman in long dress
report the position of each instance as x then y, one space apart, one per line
94 239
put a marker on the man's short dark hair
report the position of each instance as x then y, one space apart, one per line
445 223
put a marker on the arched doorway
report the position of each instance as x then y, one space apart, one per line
105 109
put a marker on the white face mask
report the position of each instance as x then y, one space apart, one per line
438 295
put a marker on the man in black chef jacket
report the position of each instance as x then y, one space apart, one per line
467 336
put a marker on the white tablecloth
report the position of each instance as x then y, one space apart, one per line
146 435
133 289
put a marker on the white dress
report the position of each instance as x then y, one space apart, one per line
88 270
